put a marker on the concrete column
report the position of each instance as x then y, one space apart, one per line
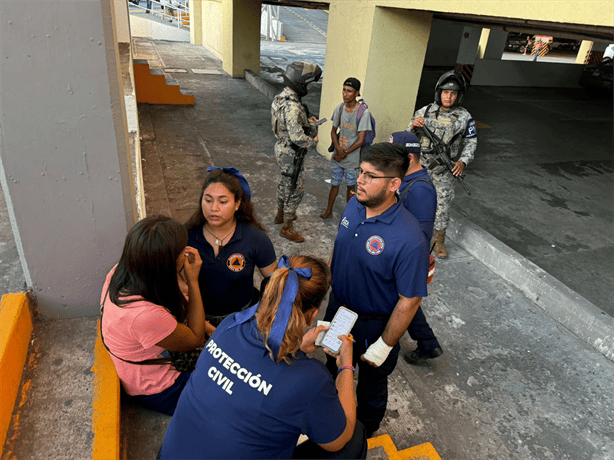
241 36
196 23
495 44
468 49
398 48
387 55
444 42
483 43
585 49
588 47
122 22
353 19
64 164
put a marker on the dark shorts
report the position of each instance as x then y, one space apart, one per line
166 400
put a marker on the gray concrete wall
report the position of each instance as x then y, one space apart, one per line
525 73
468 49
496 44
443 45
63 149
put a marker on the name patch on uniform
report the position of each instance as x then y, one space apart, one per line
236 262
375 245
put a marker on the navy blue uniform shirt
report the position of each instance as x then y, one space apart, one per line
238 403
376 259
227 281
420 200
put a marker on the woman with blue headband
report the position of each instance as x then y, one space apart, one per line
231 243
255 391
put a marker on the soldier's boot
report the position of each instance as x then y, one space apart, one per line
440 248
279 218
288 231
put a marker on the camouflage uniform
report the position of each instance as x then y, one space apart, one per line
289 121
445 124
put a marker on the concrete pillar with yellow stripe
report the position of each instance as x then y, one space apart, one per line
196 23
241 36
384 48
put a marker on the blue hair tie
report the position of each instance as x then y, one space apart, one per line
235 172
280 323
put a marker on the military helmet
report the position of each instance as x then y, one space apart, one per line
453 81
299 74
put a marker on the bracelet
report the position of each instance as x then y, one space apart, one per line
346 367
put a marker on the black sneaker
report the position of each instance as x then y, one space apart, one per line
415 357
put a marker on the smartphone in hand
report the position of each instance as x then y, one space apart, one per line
342 324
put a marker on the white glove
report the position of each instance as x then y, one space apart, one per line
378 352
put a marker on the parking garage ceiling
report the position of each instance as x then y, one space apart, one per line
557 29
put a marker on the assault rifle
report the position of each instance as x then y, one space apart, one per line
299 158
442 153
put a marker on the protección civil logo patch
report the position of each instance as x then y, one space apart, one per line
236 262
375 245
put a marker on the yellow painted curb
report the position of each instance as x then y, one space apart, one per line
105 405
15 333
424 451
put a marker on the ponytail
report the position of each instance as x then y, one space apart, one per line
310 294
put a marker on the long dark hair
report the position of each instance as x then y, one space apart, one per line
245 213
310 294
148 265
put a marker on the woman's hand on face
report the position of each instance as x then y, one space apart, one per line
192 264
309 339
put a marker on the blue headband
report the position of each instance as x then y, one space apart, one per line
235 172
280 323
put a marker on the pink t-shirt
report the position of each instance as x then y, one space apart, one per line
131 332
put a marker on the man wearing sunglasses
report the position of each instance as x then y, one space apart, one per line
379 268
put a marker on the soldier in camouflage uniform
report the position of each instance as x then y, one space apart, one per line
290 124
447 119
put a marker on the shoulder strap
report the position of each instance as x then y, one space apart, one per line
146 362
422 179
426 111
361 110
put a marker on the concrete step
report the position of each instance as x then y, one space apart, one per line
143 430
56 406
15 333
153 86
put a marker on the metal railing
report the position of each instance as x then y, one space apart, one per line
270 25
174 11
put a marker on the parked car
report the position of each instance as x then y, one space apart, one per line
565 44
516 42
